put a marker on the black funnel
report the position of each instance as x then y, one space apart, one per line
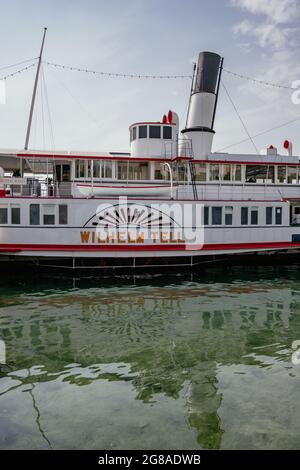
207 72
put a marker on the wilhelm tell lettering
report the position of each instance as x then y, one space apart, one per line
102 237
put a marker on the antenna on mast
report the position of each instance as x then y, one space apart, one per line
34 93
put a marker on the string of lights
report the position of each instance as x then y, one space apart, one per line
18 63
17 71
134 75
255 80
131 75
115 75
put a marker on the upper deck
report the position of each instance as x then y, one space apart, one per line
65 173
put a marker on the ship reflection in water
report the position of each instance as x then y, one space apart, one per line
165 364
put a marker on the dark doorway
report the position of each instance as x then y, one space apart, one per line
63 173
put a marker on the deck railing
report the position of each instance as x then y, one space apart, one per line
179 147
38 187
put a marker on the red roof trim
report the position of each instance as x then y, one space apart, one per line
95 157
147 159
233 162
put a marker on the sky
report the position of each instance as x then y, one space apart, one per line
257 38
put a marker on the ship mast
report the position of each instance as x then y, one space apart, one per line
34 92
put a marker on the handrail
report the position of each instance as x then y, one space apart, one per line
171 177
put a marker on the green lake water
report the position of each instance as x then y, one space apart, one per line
186 362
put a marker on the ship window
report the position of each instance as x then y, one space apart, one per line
134 133
138 171
154 132
89 168
58 172
244 215
237 172
228 215
281 174
63 214
15 215
3 215
142 132
200 171
49 219
278 216
122 170
34 214
66 172
182 172
159 171
216 215
259 174
269 215
79 168
226 172
270 176
106 169
49 214
96 168
167 132
102 169
292 175
206 215
214 173
254 215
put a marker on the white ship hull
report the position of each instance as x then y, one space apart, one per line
107 228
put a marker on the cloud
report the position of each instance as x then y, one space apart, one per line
274 31
266 34
243 27
276 11
269 31
276 35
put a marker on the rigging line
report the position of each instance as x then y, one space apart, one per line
184 111
43 119
35 121
115 75
48 109
90 116
260 134
256 80
239 116
18 63
18 71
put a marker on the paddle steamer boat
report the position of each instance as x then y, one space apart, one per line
171 201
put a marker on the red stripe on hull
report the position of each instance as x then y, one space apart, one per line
14 248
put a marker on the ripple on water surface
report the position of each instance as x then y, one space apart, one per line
168 363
